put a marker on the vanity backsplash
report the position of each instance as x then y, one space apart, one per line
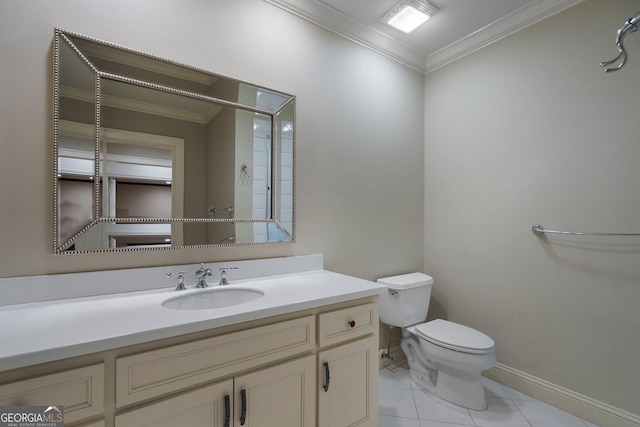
29 289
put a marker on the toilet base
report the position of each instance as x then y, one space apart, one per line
431 368
460 388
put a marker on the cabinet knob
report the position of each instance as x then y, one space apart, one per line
352 323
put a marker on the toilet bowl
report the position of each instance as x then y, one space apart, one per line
445 358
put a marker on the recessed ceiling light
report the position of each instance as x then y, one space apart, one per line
409 14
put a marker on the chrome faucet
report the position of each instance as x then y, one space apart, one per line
201 273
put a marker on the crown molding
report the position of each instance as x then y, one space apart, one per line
324 15
497 30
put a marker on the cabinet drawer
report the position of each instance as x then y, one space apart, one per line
341 325
154 373
202 407
80 391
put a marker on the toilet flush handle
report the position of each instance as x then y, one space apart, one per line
393 292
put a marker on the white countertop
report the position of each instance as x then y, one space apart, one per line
46 331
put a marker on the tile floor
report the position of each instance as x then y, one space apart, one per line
404 404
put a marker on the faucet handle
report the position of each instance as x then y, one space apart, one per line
180 286
223 275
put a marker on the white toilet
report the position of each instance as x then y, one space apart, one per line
444 358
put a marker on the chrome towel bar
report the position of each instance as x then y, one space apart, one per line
539 230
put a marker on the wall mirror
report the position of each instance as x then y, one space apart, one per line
150 153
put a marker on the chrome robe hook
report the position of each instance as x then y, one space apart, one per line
631 26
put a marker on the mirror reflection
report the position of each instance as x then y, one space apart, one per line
153 154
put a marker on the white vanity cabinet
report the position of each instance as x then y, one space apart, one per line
316 367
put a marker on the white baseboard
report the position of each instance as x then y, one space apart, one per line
589 409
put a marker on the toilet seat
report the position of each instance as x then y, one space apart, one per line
455 337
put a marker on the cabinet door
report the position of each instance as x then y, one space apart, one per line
205 407
278 396
348 389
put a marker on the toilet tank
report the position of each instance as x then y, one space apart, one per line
407 300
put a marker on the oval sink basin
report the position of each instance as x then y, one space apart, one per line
212 298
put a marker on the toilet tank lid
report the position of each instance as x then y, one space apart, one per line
406 281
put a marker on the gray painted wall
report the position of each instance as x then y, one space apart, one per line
530 130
